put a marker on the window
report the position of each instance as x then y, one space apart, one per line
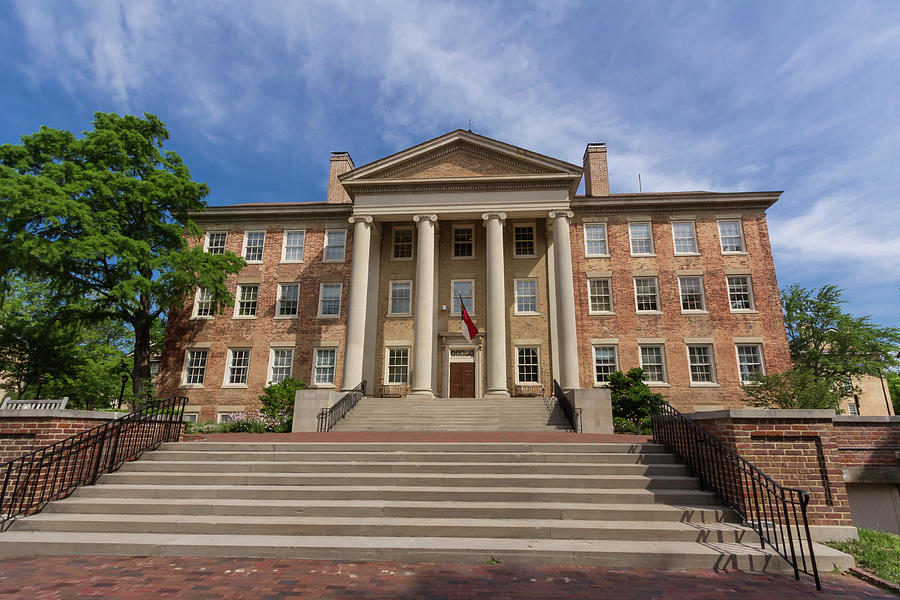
731 236
641 238
330 300
215 242
247 299
203 303
293 246
401 298
685 237
595 240
195 367
226 417
397 365
463 242
280 364
526 295
750 361
740 292
403 243
600 296
852 408
323 367
653 363
154 368
701 363
189 417
254 242
524 240
692 299
604 363
527 365
288 300
646 294
335 240
238 366
464 288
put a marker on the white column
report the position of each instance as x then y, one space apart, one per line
356 311
496 307
565 300
423 317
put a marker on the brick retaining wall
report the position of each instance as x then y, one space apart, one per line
22 431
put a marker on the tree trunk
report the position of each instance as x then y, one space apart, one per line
140 372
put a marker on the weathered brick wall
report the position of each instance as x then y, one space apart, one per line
871 443
21 434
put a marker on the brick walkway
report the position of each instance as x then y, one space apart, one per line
42 578
534 437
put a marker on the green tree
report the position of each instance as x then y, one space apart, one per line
794 388
104 217
893 381
833 345
632 401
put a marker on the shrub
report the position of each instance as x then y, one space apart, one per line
278 402
794 388
253 422
632 401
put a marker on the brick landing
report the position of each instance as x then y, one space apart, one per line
139 578
535 437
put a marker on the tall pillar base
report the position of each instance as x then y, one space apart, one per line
496 394
420 394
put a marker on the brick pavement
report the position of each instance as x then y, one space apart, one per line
138 578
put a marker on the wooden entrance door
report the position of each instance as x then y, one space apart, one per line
462 380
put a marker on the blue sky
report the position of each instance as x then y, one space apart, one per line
796 96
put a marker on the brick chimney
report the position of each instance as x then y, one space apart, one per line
596 175
340 164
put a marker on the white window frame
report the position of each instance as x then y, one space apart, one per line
456 228
714 382
612 306
470 309
533 241
412 243
195 312
262 251
594 347
852 407
387 365
516 296
190 417
315 365
662 353
187 361
237 301
537 354
762 361
226 416
391 285
693 226
638 310
229 366
692 311
206 241
280 298
740 223
284 246
752 308
631 238
587 252
325 246
322 285
272 351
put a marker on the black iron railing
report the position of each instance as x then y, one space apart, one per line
775 512
55 471
329 416
573 415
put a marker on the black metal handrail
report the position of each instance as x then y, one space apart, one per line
573 415
329 416
29 482
766 506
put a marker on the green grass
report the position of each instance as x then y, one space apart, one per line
875 551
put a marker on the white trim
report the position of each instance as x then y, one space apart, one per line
325 258
692 311
587 253
206 240
612 306
195 308
537 348
762 360
319 314
229 364
237 301
385 380
752 308
516 310
615 347
244 246
655 311
272 349
284 238
315 356
184 368
665 369
390 306
452 296
453 242
278 299
412 253
693 225
631 239
714 382
533 240
740 223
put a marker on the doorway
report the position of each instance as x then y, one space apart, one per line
462 379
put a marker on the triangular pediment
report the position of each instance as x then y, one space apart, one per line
460 160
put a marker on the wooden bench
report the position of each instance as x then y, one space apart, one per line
45 404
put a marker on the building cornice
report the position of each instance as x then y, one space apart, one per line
656 202
548 181
278 211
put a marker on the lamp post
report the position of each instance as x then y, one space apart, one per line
122 391
41 381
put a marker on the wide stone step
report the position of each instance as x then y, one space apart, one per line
607 553
433 447
418 457
435 509
367 479
282 467
386 526
683 498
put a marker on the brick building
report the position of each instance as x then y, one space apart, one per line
368 285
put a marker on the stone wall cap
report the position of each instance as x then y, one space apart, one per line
25 413
867 419
762 413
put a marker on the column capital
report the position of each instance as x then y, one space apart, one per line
432 217
360 219
494 215
558 214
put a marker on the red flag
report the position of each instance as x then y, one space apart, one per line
468 326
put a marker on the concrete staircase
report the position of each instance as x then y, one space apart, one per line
454 414
618 505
